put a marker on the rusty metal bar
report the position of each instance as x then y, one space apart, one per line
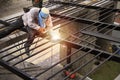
16 71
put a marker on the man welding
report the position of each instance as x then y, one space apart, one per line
35 22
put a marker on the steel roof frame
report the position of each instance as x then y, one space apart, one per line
87 49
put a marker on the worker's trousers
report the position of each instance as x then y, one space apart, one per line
31 33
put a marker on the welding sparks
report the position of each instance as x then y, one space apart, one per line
55 35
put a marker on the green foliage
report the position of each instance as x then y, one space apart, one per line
108 71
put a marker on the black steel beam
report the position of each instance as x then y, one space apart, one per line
87 21
16 71
99 35
94 51
69 58
12 41
4 23
85 6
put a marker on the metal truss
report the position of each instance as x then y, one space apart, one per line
11 65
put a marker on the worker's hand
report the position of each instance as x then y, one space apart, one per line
42 30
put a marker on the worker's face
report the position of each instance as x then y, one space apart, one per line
43 15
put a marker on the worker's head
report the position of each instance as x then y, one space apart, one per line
44 13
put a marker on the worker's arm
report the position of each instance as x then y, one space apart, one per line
49 23
31 23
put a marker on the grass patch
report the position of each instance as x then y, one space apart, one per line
108 71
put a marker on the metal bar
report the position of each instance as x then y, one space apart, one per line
95 23
87 21
5 23
85 6
58 62
94 51
30 50
82 40
99 65
16 71
70 64
33 54
99 35
83 65
17 49
12 41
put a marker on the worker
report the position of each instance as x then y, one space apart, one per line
35 22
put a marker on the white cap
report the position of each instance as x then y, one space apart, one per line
45 10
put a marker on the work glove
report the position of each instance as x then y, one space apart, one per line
41 32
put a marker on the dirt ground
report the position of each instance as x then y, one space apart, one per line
10 7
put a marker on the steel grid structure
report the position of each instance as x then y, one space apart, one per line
9 63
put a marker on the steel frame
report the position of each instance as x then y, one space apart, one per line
16 71
94 51
70 44
95 23
84 6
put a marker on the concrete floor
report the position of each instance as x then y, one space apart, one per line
13 6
